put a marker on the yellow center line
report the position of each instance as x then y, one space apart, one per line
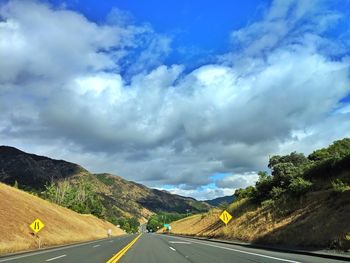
118 256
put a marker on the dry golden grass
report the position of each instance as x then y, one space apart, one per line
321 219
18 209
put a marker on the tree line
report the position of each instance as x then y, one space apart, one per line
294 175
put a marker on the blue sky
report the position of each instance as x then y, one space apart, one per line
199 30
188 96
200 26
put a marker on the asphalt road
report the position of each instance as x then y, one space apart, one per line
154 248
93 252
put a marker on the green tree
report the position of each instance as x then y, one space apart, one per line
248 192
134 224
339 149
153 225
277 192
79 196
263 187
299 186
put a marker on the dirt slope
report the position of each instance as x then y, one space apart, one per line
320 220
18 209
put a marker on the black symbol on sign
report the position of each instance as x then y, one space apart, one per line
36 225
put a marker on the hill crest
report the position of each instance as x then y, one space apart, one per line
110 197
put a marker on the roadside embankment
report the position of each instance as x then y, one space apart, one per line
19 209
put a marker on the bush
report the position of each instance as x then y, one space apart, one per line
269 203
80 196
299 186
129 225
339 186
277 192
248 192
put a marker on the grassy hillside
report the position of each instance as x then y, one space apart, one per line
143 201
106 196
304 202
62 225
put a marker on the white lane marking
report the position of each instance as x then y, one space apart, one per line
30 254
50 259
111 241
244 252
96 245
173 249
179 242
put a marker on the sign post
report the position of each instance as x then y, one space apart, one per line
36 226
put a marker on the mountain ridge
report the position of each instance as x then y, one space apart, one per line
220 200
33 170
114 196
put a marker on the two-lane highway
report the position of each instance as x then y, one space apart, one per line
155 248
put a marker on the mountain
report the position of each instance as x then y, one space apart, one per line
33 171
221 200
104 195
125 192
62 226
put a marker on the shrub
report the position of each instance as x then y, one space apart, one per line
80 196
248 192
277 192
339 186
269 203
299 186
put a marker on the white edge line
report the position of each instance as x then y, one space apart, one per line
10 258
50 259
241 251
96 245
173 249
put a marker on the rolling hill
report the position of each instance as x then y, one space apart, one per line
221 200
62 225
107 196
305 202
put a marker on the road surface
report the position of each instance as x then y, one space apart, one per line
154 248
93 252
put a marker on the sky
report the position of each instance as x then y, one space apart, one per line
188 96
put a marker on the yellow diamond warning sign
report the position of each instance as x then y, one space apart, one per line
36 226
225 217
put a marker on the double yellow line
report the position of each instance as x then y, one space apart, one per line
118 256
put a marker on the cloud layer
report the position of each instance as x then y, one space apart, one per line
99 95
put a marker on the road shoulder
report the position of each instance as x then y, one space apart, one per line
337 255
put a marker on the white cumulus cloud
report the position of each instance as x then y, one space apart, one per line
69 90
